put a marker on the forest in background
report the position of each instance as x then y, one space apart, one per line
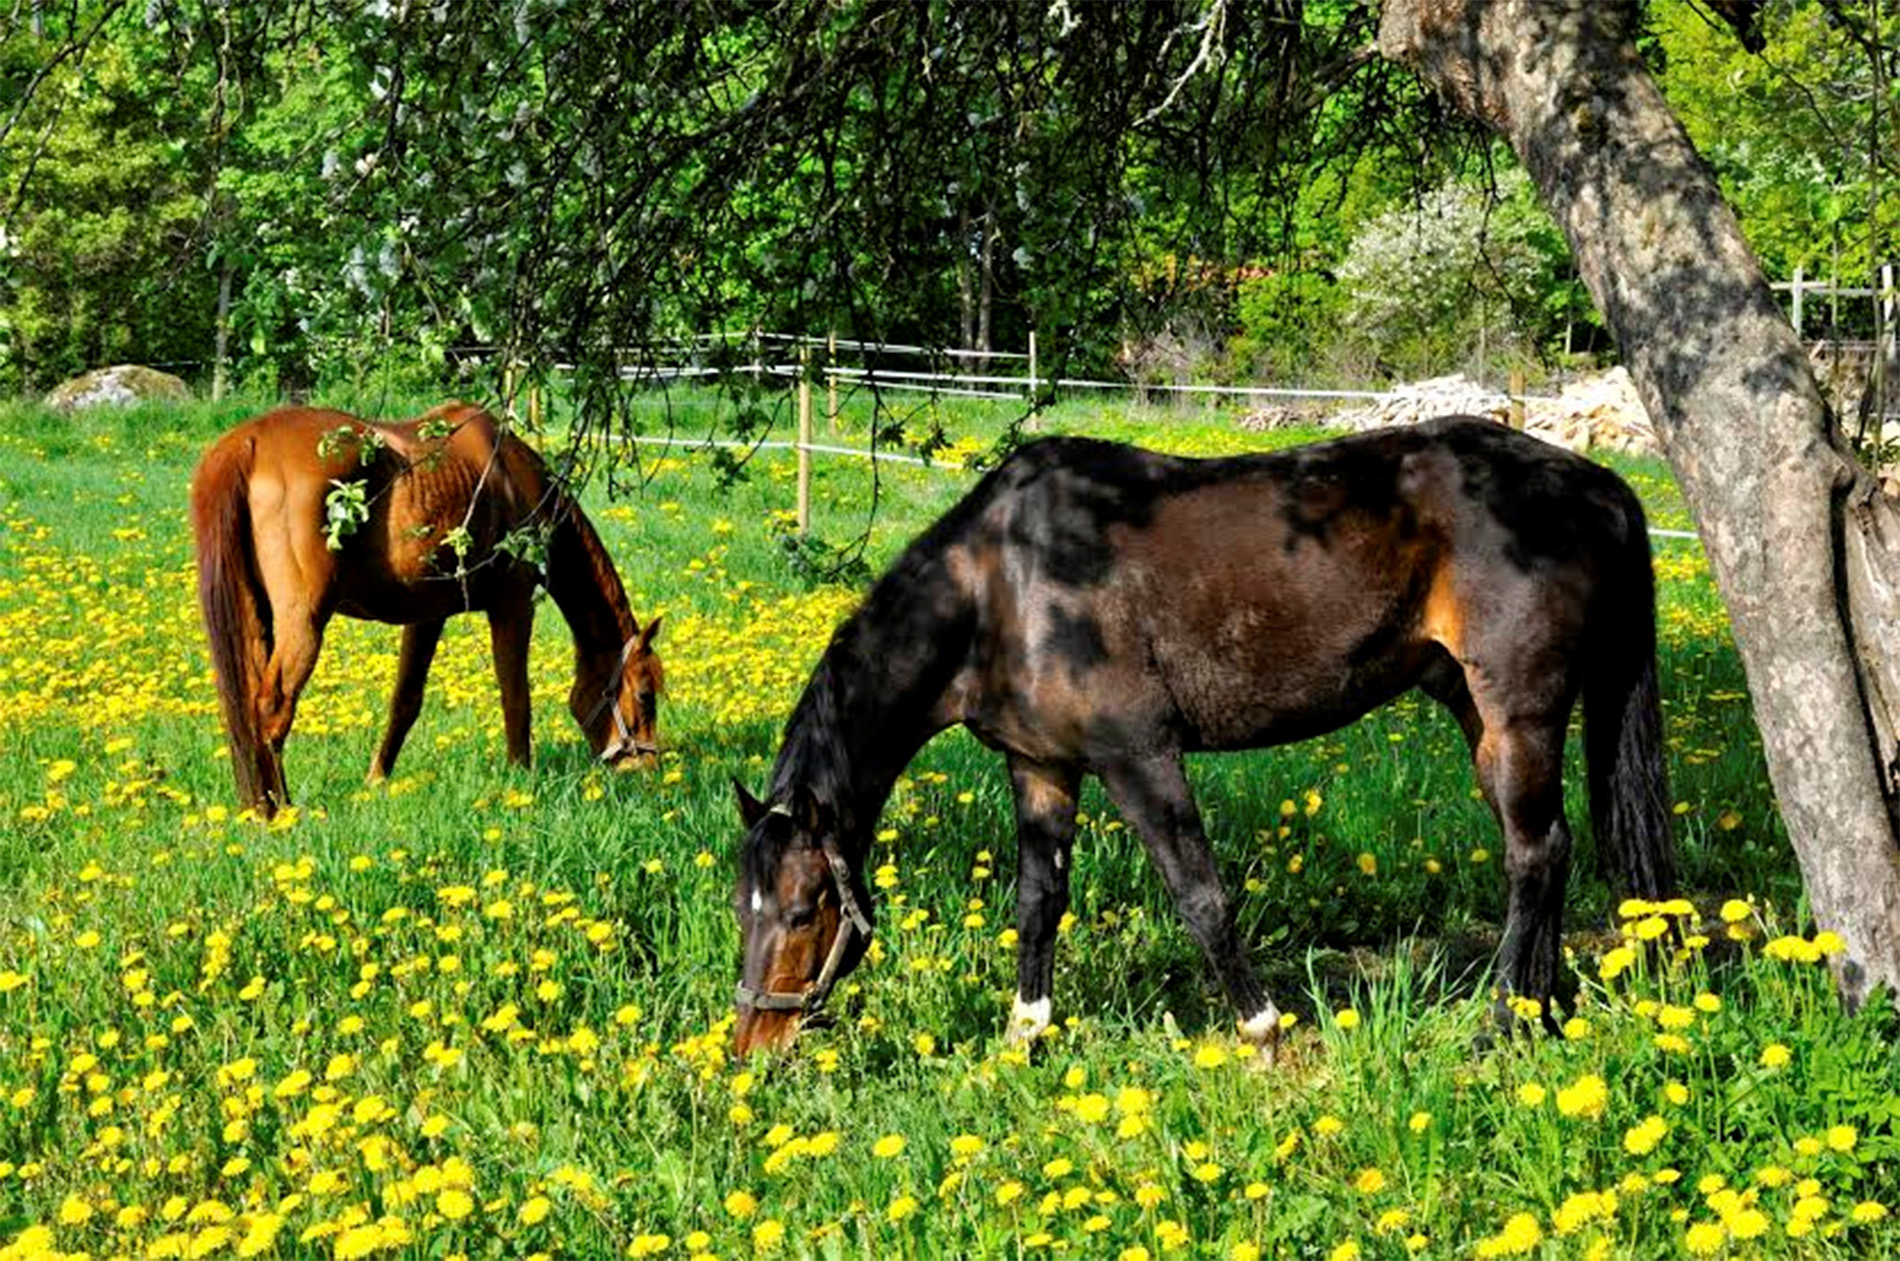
186 185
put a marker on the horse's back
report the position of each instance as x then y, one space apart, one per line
1256 599
449 478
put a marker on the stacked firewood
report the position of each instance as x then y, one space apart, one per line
1601 411
1415 401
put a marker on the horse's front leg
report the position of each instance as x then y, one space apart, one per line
405 701
1046 797
510 625
1153 792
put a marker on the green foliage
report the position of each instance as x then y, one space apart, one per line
527 543
923 173
366 443
95 266
345 510
1285 321
1802 143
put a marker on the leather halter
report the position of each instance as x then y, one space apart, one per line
813 996
609 695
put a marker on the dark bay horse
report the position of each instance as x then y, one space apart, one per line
452 516
1091 608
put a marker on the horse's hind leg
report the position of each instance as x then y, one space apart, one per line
1046 799
298 640
1153 792
1520 767
1519 761
510 626
405 701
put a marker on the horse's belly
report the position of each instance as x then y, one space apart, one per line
1251 698
406 604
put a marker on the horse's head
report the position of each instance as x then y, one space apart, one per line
619 708
804 922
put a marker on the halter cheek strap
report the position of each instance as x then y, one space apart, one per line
623 735
813 996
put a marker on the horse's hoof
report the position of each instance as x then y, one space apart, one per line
1266 1056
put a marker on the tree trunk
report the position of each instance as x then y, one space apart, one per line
966 289
220 365
986 290
1804 547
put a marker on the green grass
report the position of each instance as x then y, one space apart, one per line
611 1096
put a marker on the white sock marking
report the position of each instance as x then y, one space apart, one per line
1028 1020
1261 1027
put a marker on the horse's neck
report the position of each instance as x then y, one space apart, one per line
872 703
585 586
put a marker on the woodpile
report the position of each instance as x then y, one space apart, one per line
1417 401
1270 416
1601 411
1598 412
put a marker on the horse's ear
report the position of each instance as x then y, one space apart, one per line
751 809
651 633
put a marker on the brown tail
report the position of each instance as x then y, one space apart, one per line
235 613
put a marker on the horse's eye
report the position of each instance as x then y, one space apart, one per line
801 916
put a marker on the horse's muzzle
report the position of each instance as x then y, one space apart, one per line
760 1031
631 755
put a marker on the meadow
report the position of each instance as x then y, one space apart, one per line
483 1012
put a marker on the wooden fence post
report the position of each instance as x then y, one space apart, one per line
804 442
1517 398
831 382
1796 321
1885 344
1032 366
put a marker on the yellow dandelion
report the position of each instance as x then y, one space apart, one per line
1705 1238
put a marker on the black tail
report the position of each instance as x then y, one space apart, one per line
1622 731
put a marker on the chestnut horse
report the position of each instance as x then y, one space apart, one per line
1090 608
452 517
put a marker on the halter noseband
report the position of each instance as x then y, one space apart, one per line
813 996
623 735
